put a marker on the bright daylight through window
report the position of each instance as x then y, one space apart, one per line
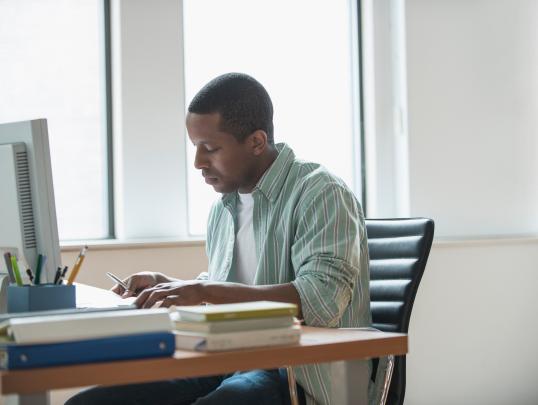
308 73
53 67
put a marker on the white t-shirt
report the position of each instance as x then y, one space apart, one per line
245 248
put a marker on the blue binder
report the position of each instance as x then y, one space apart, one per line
127 347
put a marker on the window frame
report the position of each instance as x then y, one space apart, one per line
147 97
129 44
109 118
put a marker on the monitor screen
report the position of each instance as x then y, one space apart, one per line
28 224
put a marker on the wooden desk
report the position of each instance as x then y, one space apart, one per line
341 347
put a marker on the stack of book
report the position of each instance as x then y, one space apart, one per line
233 326
52 340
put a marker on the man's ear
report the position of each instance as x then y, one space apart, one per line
258 142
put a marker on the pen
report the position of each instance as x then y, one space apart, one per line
7 258
30 276
16 271
117 280
64 271
76 266
57 275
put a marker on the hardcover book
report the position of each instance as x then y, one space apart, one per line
14 356
241 310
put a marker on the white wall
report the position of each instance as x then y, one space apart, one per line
473 123
474 326
473 145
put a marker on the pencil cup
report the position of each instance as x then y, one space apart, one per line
40 297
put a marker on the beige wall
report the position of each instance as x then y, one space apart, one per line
473 326
182 260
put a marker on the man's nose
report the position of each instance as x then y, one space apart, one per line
200 162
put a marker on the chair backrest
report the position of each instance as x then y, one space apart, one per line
398 250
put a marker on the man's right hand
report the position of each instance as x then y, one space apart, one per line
138 282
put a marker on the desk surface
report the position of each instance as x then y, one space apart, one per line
317 345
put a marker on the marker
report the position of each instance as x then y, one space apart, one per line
76 266
41 259
16 271
7 258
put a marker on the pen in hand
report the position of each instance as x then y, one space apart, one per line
117 280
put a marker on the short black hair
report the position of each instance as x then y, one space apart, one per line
242 102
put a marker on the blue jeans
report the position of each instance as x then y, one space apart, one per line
256 387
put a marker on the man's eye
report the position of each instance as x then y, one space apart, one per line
211 150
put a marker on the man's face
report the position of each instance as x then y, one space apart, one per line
226 163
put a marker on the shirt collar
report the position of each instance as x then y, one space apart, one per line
272 180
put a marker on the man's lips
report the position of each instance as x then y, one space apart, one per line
210 179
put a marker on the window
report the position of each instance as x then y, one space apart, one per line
53 66
301 51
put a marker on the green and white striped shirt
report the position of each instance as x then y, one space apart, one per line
309 230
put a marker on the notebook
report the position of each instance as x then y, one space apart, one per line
58 328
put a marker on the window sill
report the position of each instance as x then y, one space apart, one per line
115 244
150 243
485 240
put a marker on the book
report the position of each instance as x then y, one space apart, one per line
233 325
83 326
15 356
240 310
66 311
237 340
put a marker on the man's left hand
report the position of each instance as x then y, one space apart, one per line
174 293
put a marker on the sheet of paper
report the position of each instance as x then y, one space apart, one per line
94 297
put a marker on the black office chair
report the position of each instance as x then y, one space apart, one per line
398 250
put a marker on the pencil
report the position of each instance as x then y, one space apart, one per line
76 266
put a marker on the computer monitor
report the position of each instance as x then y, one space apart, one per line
27 210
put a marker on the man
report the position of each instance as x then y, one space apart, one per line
284 230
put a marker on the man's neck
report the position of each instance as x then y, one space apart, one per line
266 160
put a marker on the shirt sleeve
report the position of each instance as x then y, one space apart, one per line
326 255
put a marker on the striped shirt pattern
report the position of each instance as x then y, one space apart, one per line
309 230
